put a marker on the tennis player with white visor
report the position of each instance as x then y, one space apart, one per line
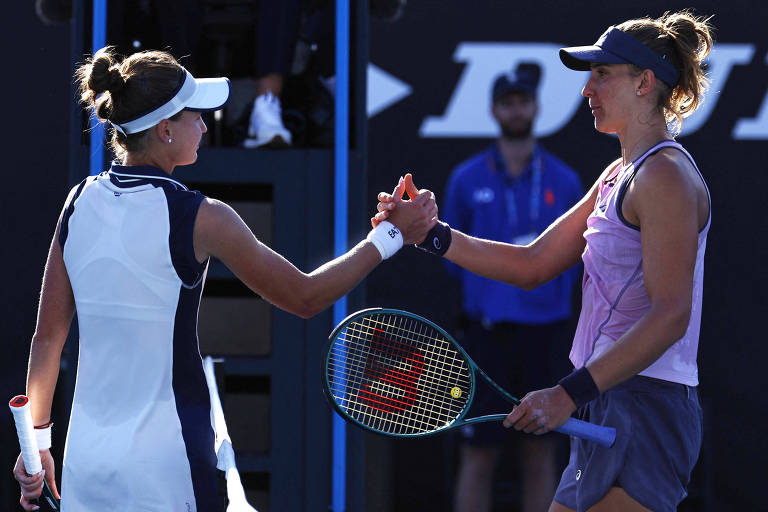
130 254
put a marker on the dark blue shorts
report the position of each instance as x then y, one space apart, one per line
658 437
518 357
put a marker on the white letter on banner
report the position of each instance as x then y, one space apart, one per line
757 127
468 111
721 60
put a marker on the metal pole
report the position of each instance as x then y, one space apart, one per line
341 168
98 41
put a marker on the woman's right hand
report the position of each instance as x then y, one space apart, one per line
32 486
387 202
415 217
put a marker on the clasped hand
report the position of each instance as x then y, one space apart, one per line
414 217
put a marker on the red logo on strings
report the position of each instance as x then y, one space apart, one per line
391 372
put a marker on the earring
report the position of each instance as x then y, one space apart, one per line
171 140
638 93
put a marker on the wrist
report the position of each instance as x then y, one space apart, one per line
438 239
386 238
580 386
43 436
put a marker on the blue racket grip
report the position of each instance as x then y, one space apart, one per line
604 436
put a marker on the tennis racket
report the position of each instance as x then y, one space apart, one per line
398 374
28 442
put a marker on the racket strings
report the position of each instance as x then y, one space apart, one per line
431 373
397 374
435 408
393 395
402 379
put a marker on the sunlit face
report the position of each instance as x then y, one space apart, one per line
187 133
515 113
611 91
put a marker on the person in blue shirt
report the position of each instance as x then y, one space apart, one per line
511 192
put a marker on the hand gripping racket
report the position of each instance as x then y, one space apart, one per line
25 429
398 374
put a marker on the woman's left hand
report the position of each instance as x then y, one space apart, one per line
388 201
541 411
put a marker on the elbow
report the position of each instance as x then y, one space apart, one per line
530 275
308 305
680 323
302 308
48 340
530 283
307 310
676 318
531 280
300 298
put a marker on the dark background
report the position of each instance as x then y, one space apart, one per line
418 49
36 176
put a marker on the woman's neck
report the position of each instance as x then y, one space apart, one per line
638 139
137 159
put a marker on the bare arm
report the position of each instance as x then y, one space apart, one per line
220 232
54 316
558 248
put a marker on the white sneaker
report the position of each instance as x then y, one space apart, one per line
266 127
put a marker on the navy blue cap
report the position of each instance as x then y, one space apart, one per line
618 47
524 79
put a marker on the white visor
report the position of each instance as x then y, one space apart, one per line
194 94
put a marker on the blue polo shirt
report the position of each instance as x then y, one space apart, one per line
483 200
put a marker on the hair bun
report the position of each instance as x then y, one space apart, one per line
105 74
115 80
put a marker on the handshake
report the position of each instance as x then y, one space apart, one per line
413 221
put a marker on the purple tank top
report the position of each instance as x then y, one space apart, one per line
613 289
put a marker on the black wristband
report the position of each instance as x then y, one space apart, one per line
438 239
580 385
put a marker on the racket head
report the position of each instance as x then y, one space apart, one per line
395 373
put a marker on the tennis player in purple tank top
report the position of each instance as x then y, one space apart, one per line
641 232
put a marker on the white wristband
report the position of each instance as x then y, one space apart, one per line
43 436
387 239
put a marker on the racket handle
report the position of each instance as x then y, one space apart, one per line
47 496
604 436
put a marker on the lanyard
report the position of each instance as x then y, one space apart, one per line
535 197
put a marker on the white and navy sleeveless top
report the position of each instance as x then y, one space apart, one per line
140 435
614 297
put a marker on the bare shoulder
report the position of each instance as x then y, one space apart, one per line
668 172
666 181
216 226
213 208
216 215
